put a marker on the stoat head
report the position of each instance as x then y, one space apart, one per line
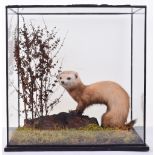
69 79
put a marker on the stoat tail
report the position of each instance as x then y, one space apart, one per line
129 125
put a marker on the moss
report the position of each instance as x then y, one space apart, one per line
91 134
92 127
24 129
95 127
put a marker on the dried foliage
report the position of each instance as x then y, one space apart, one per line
36 57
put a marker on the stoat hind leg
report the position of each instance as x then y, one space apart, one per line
112 120
106 120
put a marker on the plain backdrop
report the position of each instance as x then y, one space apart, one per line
149 62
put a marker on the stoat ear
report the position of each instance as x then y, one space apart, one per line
76 75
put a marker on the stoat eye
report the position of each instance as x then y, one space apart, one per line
60 78
68 78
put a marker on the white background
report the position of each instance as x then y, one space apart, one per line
149 59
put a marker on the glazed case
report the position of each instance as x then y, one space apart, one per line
100 42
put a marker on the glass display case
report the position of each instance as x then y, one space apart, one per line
50 48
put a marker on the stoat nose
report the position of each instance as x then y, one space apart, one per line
62 82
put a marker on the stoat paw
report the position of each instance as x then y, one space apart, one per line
73 112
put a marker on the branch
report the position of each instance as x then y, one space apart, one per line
60 45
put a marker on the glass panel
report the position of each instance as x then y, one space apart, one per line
49 10
138 71
105 30
12 75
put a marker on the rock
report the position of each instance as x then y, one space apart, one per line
60 121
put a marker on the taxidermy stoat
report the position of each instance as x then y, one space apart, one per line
106 92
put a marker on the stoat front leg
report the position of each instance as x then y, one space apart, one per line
79 110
